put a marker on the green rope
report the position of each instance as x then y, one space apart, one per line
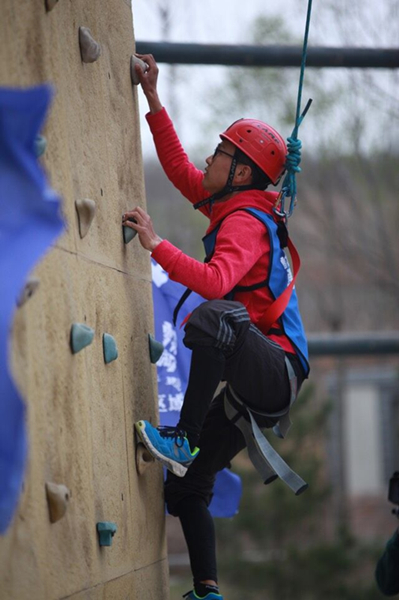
294 145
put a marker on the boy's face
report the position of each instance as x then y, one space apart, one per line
218 167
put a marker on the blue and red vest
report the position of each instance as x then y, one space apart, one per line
277 280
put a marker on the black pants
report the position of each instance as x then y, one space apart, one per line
255 367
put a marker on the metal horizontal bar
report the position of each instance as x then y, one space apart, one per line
352 344
269 56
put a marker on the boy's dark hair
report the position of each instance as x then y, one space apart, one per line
259 179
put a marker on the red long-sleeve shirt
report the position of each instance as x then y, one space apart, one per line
242 251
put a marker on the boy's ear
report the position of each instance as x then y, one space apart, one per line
244 172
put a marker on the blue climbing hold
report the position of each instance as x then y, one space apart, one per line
81 336
128 232
106 531
40 145
109 348
156 349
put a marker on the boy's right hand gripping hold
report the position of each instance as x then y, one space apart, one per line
169 445
148 81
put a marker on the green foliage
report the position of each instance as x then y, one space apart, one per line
325 571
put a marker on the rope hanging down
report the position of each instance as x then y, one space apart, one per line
294 145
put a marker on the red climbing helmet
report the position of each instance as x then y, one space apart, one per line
261 143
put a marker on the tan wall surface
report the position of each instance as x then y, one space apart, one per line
81 411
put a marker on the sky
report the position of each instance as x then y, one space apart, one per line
353 22
224 22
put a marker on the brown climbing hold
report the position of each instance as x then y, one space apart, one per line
29 289
50 4
143 66
58 497
90 50
143 458
86 210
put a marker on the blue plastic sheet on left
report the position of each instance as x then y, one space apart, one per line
30 221
173 370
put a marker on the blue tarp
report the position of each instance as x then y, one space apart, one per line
173 369
29 222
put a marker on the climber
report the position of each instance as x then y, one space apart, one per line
263 364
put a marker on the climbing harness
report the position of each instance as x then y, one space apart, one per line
266 460
288 189
263 456
282 286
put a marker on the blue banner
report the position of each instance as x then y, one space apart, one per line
173 370
29 222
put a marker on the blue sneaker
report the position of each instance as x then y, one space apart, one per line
211 596
168 445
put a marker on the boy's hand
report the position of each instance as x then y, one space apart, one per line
148 238
148 81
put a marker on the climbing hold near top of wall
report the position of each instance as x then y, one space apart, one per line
58 497
143 458
128 232
156 349
81 336
86 210
109 348
29 289
90 50
143 66
40 145
106 531
50 4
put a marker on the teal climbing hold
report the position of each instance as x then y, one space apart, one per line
81 336
128 232
156 349
106 531
40 145
109 348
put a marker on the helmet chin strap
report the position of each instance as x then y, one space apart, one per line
227 189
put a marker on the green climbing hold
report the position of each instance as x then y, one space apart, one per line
128 232
40 145
156 349
106 531
109 348
81 336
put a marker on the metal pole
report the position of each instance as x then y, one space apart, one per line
352 344
269 56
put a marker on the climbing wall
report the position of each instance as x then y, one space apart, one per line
82 472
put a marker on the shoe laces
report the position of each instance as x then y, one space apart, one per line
173 432
188 593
